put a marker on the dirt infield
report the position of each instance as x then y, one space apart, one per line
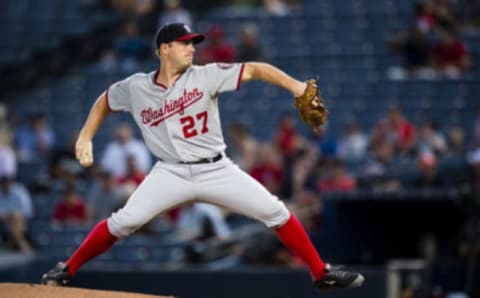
19 290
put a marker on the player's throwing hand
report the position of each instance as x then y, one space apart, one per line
83 152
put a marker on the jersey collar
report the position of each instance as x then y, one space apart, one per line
156 74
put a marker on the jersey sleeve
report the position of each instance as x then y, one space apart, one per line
118 96
222 77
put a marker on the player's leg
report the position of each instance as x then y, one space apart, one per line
232 188
162 189
225 184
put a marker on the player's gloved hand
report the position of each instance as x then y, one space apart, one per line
84 152
311 106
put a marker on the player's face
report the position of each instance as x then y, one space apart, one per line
181 53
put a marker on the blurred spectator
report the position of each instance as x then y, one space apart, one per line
202 225
294 5
15 209
290 144
132 8
243 146
103 197
116 153
71 209
8 160
134 174
68 172
353 145
126 190
276 7
249 47
308 208
303 164
34 141
431 139
130 47
476 129
286 136
267 168
337 180
144 7
4 119
382 157
174 13
450 55
474 161
444 14
217 49
378 170
428 175
416 50
64 167
424 16
395 129
108 61
327 143
318 172
456 140
201 221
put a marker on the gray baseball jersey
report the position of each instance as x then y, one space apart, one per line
181 122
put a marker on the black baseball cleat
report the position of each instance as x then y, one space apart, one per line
57 276
337 277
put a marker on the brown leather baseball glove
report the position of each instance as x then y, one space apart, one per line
311 106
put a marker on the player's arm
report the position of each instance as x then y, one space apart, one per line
83 147
271 74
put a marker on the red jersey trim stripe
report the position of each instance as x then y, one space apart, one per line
239 81
108 101
155 80
106 98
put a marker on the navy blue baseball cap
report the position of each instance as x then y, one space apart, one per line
176 32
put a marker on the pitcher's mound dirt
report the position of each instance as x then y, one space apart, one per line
19 290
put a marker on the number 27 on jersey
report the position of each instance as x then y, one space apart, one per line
191 123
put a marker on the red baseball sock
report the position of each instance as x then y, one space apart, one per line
97 242
294 237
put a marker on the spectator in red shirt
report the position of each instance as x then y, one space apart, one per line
217 49
288 143
449 54
286 136
395 129
71 209
267 169
134 174
339 180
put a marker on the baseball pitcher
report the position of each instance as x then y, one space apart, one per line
176 108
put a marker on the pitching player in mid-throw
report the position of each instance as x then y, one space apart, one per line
176 109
